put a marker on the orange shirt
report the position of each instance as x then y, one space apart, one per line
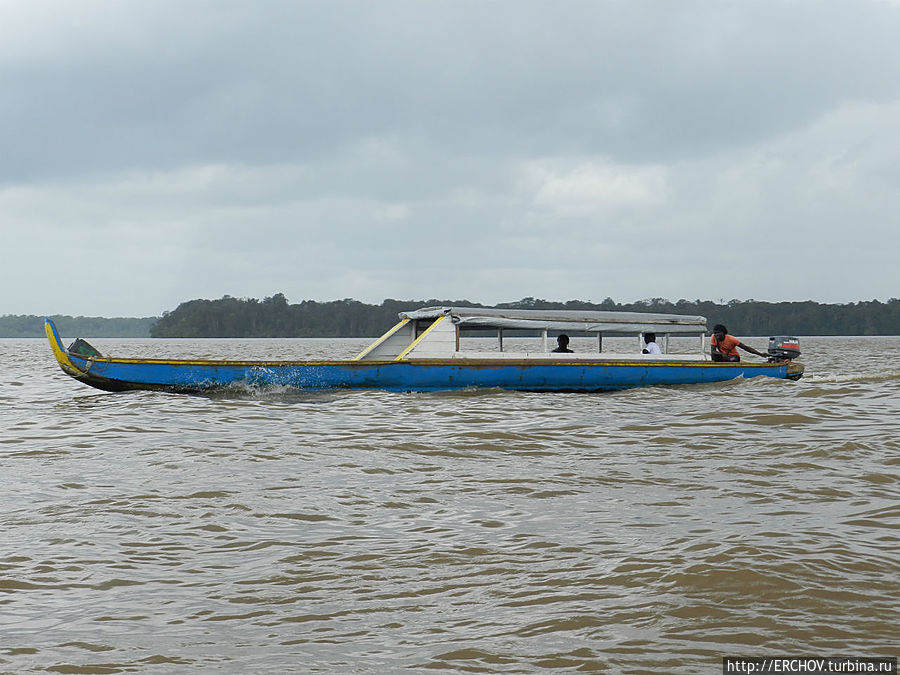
728 346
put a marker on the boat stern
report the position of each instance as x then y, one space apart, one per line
794 370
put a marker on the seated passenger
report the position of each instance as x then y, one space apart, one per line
723 347
562 345
650 346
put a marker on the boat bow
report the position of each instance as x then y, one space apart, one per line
59 351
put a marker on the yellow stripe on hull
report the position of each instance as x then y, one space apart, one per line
62 357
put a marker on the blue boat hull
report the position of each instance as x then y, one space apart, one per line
413 375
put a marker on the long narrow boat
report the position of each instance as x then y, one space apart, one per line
427 351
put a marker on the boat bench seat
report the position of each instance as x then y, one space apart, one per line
550 356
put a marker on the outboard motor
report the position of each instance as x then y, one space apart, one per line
781 347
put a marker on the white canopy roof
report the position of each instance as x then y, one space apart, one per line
564 319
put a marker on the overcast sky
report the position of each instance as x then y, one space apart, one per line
156 152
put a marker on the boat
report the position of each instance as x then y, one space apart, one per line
431 349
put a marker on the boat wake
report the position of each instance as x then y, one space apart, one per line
248 391
866 378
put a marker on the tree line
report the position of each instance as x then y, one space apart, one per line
275 317
29 325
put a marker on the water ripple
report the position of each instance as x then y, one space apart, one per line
652 530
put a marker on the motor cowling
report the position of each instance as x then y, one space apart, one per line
783 347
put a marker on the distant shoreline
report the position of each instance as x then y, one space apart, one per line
274 317
27 326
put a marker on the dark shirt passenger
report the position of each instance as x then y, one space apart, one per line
562 345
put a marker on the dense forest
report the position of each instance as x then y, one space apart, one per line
275 317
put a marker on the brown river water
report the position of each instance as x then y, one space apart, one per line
646 531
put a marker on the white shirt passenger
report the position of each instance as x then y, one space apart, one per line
652 348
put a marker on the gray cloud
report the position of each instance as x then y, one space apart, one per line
158 151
